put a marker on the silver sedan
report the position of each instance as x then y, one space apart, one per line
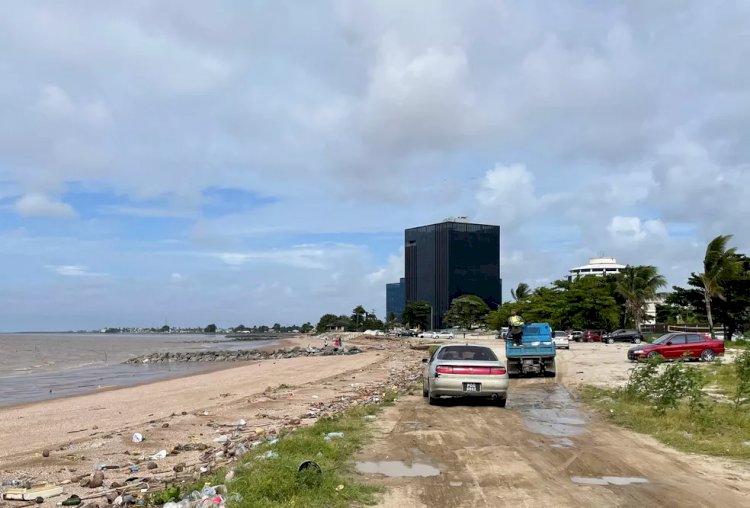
465 370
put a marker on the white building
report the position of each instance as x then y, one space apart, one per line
609 266
598 267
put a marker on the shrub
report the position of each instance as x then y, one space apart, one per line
742 371
667 387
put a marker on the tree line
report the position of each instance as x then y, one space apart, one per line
720 293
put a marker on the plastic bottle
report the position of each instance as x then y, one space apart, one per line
208 491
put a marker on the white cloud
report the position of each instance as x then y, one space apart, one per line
314 257
633 229
40 205
391 272
73 271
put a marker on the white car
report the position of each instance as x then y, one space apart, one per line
561 339
465 370
443 335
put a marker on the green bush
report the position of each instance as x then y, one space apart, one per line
742 371
666 387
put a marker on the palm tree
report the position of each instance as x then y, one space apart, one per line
719 264
637 285
521 292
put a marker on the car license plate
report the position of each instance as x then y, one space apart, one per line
471 387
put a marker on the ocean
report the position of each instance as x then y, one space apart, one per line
35 367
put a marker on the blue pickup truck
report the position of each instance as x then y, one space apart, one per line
535 355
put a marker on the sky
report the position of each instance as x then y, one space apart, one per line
257 162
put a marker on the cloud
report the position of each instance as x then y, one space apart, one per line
277 137
633 229
39 205
315 257
73 271
391 272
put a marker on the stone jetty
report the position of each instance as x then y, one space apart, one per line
240 356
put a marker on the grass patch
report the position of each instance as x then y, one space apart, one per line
669 402
719 430
737 344
275 482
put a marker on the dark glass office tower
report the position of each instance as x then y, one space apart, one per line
395 299
450 259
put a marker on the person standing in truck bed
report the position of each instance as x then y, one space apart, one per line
515 327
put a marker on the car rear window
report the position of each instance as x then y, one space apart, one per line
479 353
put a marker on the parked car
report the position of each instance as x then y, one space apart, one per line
560 339
406 333
442 334
623 335
465 370
592 336
575 335
672 346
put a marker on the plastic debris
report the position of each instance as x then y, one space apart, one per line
309 465
229 476
32 493
333 435
270 454
137 437
273 441
241 423
134 469
339 488
71 501
221 439
208 491
159 455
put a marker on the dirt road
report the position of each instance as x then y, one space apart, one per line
544 449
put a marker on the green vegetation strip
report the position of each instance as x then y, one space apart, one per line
670 403
262 481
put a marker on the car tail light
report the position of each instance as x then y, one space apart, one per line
476 371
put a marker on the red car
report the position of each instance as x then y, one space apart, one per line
673 346
592 336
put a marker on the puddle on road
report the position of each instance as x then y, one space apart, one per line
397 468
563 443
549 410
607 480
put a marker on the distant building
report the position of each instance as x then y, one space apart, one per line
450 259
395 299
609 266
598 267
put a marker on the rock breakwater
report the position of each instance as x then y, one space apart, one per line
239 356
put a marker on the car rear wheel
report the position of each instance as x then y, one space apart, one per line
434 401
610 340
708 355
653 354
637 340
425 392
501 401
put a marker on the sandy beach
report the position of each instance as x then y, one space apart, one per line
96 429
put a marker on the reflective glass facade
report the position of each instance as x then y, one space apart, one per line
395 299
450 259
